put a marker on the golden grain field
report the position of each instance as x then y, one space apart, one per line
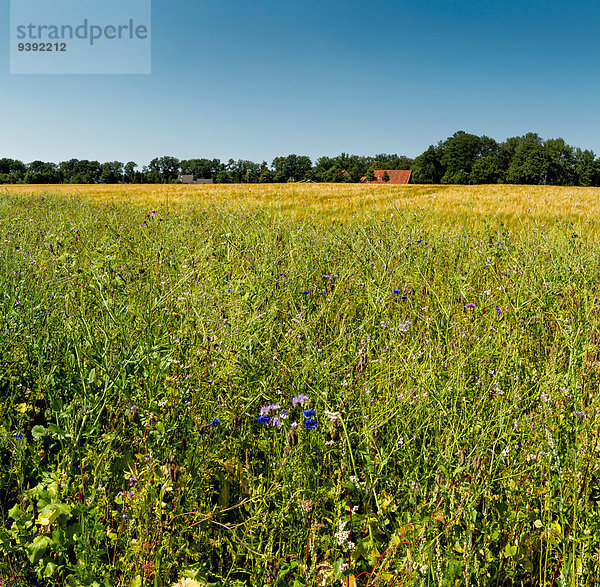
516 205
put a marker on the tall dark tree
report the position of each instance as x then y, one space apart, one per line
12 170
530 162
586 167
164 169
383 161
428 167
485 170
129 173
111 172
460 154
561 162
292 167
42 172
266 175
201 168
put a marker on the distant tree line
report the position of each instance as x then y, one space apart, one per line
462 158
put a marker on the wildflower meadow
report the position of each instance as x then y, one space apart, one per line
205 393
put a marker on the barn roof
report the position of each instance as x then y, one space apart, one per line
397 176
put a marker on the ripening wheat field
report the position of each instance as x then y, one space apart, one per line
305 385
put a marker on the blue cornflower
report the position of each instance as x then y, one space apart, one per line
263 419
305 293
310 424
310 413
215 422
19 436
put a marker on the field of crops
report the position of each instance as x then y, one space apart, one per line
306 385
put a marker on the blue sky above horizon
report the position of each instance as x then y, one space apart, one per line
251 80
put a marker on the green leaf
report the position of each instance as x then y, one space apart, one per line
16 512
38 547
38 432
50 569
510 551
50 513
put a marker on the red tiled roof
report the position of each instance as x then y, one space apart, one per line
397 176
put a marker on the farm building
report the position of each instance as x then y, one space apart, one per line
190 179
396 176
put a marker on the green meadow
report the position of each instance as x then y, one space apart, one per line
242 394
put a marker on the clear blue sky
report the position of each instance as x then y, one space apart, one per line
253 80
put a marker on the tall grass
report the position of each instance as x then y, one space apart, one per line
516 206
452 367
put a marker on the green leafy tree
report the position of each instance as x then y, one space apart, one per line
201 168
383 161
561 162
586 168
111 172
294 167
428 167
223 177
461 152
530 162
265 176
485 170
129 173
42 172
12 170
163 169
385 177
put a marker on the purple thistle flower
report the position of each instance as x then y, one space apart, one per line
268 408
470 306
300 399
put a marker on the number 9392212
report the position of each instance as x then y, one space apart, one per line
42 47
